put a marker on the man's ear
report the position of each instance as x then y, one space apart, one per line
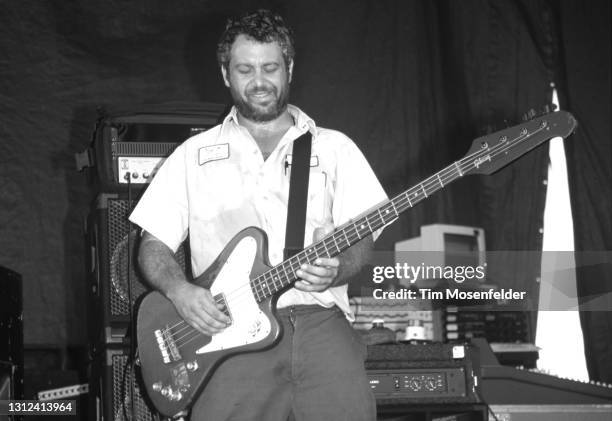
290 70
225 77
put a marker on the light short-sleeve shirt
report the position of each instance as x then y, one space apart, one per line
217 183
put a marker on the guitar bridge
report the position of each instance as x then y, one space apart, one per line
167 345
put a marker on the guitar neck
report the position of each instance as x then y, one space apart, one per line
282 275
487 155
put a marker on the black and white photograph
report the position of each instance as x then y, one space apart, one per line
282 210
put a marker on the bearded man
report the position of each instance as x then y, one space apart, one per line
234 176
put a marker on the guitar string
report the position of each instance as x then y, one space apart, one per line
464 165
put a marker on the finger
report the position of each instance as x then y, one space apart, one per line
200 324
213 324
315 273
332 262
213 317
199 318
214 308
309 287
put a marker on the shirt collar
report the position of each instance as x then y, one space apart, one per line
302 122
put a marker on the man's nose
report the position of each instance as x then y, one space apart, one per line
259 81
259 77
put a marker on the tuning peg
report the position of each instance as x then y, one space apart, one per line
529 115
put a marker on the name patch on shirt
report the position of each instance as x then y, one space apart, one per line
213 153
314 160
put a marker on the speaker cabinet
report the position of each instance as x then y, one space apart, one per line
110 389
113 268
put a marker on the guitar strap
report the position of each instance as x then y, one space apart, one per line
298 195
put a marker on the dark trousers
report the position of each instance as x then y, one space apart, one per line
315 373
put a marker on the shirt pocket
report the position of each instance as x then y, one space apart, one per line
220 188
318 199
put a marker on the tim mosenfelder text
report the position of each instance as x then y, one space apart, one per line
448 294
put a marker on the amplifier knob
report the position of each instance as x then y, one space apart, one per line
430 384
415 384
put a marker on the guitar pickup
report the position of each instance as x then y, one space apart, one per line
167 345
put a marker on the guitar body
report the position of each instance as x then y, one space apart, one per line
176 360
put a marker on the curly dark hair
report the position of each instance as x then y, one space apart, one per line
263 26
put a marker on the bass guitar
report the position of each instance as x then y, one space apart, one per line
177 360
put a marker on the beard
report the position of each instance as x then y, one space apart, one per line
262 112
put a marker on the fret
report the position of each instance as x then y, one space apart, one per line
319 250
267 286
273 277
316 251
408 197
423 188
271 288
277 278
325 247
348 242
255 290
284 271
394 208
293 270
308 253
380 216
365 226
357 231
336 243
458 168
311 255
349 231
387 214
440 180
368 222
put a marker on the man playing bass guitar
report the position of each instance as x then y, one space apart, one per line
236 175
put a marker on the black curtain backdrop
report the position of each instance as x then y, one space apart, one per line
586 82
412 82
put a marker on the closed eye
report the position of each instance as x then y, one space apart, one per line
244 69
271 68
